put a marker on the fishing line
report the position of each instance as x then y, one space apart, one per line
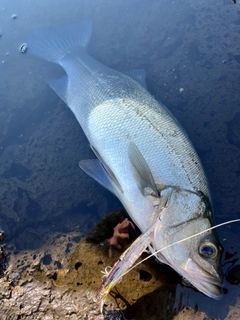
179 241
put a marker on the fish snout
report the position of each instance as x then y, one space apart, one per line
206 281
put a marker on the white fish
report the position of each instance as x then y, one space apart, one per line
144 156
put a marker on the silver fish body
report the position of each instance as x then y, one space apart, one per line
145 158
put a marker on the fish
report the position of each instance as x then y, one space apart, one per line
143 156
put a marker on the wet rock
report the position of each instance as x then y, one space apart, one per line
42 283
50 283
233 275
234 311
3 261
3 255
190 314
38 301
113 315
5 290
2 236
17 170
233 130
39 174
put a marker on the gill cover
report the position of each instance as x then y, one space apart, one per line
196 259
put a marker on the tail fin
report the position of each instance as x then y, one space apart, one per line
53 45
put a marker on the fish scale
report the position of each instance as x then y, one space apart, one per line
170 136
162 150
143 156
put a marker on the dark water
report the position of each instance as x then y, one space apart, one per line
192 45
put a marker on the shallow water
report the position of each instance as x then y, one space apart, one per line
182 45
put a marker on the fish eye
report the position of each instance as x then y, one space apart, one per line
208 250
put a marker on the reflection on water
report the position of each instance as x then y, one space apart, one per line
181 45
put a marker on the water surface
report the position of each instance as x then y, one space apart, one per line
190 52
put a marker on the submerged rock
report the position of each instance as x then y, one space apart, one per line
3 255
233 130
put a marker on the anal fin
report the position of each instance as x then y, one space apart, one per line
60 87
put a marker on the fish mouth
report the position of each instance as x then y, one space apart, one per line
207 283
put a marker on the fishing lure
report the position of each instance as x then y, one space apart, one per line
129 256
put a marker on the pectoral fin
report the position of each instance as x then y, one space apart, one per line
142 172
95 170
107 168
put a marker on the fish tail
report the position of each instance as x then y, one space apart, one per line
54 45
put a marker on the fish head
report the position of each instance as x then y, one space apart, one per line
194 256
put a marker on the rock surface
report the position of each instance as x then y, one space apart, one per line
52 283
